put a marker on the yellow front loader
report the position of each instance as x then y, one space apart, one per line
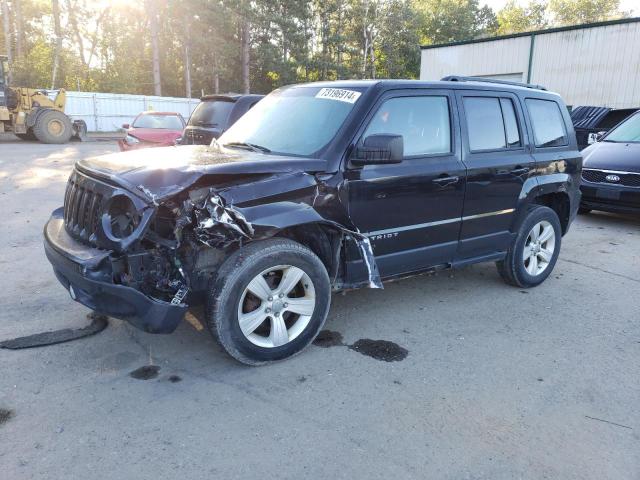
31 115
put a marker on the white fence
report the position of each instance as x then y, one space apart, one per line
106 112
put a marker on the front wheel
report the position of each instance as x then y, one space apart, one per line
53 126
269 301
534 252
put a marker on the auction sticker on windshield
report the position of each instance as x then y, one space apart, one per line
340 94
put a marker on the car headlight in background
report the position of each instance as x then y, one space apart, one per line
130 140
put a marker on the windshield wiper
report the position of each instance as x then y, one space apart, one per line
248 146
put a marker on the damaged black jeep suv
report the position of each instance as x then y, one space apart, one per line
320 188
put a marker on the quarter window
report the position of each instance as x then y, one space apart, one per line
491 123
547 122
423 123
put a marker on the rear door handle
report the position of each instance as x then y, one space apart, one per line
519 171
445 181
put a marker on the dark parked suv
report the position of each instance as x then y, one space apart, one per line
319 188
215 114
611 174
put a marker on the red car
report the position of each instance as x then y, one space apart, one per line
152 129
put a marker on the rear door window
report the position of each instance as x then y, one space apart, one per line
547 122
491 123
211 113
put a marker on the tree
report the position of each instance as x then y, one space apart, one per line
514 18
446 21
576 12
55 7
6 26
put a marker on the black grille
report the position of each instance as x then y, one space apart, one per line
599 176
82 207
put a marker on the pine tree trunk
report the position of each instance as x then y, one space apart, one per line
155 50
7 35
246 85
19 29
55 7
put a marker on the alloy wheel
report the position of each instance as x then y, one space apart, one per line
538 248
276 306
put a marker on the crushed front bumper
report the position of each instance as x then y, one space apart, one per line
86 273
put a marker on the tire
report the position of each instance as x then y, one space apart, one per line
520 272
29 136
584 211
261 338
53 126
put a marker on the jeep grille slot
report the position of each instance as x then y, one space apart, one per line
82 210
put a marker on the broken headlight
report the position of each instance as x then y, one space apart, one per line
123 217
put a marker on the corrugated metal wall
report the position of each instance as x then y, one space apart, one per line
106 112
510 56
588 66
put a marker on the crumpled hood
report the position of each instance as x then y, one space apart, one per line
623 157
162 172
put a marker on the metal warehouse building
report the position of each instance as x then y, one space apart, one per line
594 64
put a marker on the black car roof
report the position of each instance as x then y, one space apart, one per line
230 97
463 83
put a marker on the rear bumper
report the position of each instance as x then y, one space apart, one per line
86 273
610 198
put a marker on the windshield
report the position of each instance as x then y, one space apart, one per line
627 131
294 121
164 122
211 114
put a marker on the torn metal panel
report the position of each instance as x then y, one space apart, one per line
219 225
364 245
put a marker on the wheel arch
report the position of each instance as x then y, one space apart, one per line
550 191
300 223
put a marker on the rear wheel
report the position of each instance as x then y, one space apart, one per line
269 301
53 126
534 252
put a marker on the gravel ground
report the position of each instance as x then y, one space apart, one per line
497 382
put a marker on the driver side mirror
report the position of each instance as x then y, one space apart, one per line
595 137
126 126
379 149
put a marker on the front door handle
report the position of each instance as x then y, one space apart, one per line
445 181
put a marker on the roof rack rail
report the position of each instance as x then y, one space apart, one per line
459 78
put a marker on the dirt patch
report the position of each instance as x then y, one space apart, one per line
145 373
380 350
5 415
328 338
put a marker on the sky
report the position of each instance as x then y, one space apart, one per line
632 5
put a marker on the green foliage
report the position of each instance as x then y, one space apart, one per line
515 18
574 12
107 45
445 21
